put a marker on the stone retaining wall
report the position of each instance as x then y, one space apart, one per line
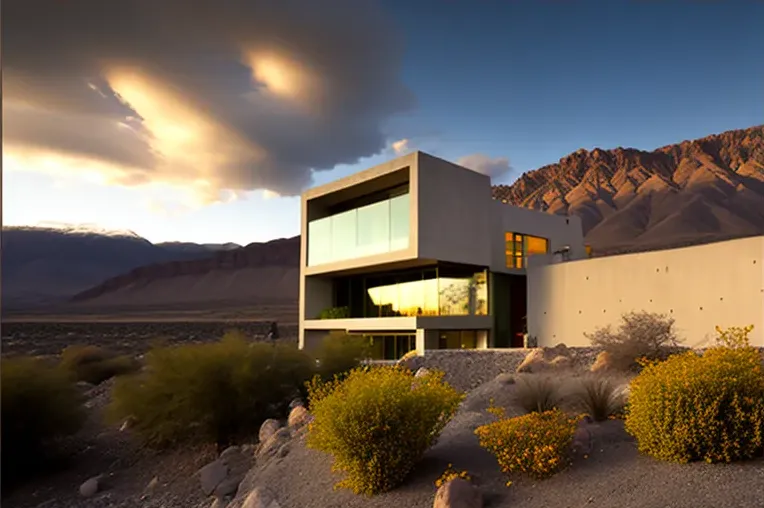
468 368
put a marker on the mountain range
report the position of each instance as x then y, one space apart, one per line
692 192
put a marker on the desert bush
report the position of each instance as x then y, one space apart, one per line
537 444
701 407
599 397
216 392
339 353
377 423
451 474
39 405
95 365
640 335
537 393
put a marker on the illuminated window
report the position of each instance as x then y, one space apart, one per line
519 246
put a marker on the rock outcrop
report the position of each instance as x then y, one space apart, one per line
692 192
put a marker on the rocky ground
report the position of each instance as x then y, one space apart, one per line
49 338
283 473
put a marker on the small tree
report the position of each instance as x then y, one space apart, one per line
640 335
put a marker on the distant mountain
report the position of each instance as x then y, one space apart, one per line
257 273
42 265
693 192
199 247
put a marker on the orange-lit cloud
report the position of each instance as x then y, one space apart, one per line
216 99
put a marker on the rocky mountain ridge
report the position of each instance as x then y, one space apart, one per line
692 192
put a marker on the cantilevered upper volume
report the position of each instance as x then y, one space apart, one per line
415 253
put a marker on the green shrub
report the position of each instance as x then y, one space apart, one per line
215 392
537 393
39 405
599 397
537 444
334 313
95 365
640 335
377 423
340 353
694 407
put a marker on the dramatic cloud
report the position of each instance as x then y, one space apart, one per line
486 165
224 95
401 146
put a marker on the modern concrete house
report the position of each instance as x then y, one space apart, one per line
415 254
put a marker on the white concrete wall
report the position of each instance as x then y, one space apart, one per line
558 229
454 222
700 287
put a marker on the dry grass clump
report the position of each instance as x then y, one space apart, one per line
708 407
599 397
94 364
377 423
640 335
215 393
536 393
39 405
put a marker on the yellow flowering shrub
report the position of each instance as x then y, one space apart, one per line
451 474
701 407
537 444
378 423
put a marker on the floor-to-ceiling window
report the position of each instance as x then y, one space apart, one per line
365 229
443 290
519 247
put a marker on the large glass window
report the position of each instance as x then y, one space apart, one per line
519 247
462 292
437 291
372 229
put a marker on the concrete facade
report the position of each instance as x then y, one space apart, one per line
452 218
700 287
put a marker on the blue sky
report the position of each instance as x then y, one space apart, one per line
530 81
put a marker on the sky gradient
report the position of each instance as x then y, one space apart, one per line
515 83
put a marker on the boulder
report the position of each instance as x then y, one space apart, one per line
603 362
296 402
268 428
272 445
413 362
505 378
422 371
260 497
561 362
152 486
212 475
544 358
230 452
90 487
458 493
298 417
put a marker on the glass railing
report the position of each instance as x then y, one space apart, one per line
373 229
